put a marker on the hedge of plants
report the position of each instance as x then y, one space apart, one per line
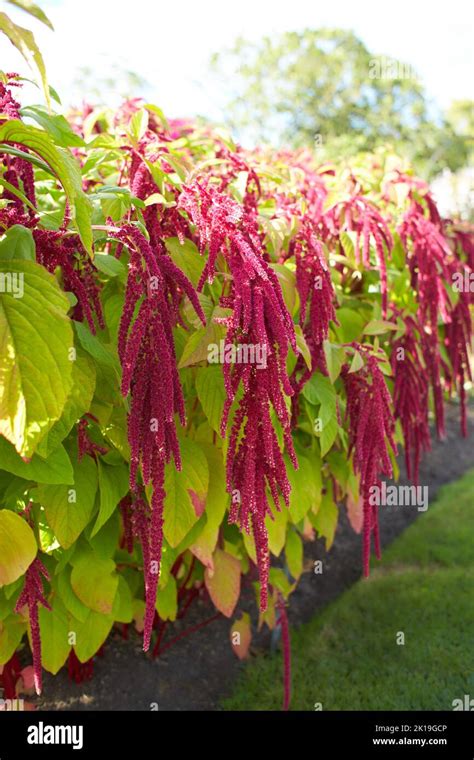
205 352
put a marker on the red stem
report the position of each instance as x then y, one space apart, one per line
285 637
182 590
191 596
188 631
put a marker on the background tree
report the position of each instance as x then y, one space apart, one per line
325 86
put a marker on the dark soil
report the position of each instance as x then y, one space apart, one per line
198 671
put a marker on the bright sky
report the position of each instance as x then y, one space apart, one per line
170 43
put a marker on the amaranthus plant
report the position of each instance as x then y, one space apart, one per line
206 351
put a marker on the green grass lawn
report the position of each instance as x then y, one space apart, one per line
347 657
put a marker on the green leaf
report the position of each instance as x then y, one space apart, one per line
276 530
223 583
109 265
294 554
34 161
18 244
95 582
33 10
115 201
335 356
55 469
168 557
339 467
91 634
106 540
18 194
77 403
325 521
54 630
398 252
287 280
319 389
123 605
35 335
25 43
11 633
195 349
17 547
357 362
113 485
72 603
167 600
69 509
211 393
303 346
159 199
329 430
95 348
217 497
197 346
278 578
379 327
139 124
347 243
351 325
6 605
62 164
186 492
305 487
113 313
187 257
204 545
56 126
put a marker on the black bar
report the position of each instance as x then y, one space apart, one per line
148 734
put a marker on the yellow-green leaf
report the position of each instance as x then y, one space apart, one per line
35 339
33 10
294 554
167 600
223 584
91 634
113 486
17 547
241 636
211 393
25 43
62 164
95 582
11 633
69 508
54 629
186 492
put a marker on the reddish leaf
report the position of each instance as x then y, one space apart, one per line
198 504
26 684
355 512
223 584
241 636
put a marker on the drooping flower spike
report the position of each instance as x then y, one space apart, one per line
371 433
150 374
411 396
358 214
32 595
255 465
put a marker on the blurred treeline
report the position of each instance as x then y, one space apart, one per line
324 88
